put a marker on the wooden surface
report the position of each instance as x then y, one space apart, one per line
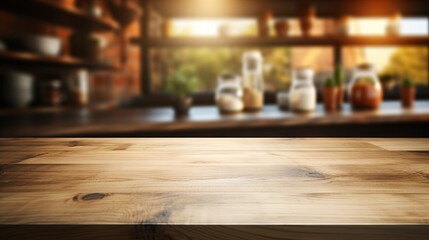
135 121
214 181
242 188
29 60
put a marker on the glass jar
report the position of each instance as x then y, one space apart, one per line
253 82
79 87
229 94
365 90
51 92
303 92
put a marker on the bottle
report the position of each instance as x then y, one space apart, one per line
303 93
253 82
365 90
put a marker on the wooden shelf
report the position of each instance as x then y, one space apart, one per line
209 122
53 12
96 106
289 41
33 60
289 8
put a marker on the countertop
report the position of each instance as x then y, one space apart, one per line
138 121
187 188
214 180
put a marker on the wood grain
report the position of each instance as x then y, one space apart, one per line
226 184
214 181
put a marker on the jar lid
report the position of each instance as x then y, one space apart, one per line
254 54
365 66
304 73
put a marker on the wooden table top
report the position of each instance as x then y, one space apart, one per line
134 120
214 181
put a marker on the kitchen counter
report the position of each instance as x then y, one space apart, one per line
389 120
216 182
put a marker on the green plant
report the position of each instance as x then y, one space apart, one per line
407 82
330 82
411 62
338 75
183 82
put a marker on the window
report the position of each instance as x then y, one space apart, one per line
391 62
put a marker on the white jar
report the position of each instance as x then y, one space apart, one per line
303 92
229 94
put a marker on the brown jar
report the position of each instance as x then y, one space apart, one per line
365 89
365 96
407 97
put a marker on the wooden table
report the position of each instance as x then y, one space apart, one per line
217 182
389 120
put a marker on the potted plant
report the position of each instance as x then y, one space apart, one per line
330 95
408 93
339 82
181 85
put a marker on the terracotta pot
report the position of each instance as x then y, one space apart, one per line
306 25
307 14
340 99
182 105
282 28
330 98
407 96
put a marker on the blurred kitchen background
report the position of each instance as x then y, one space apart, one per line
169 68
